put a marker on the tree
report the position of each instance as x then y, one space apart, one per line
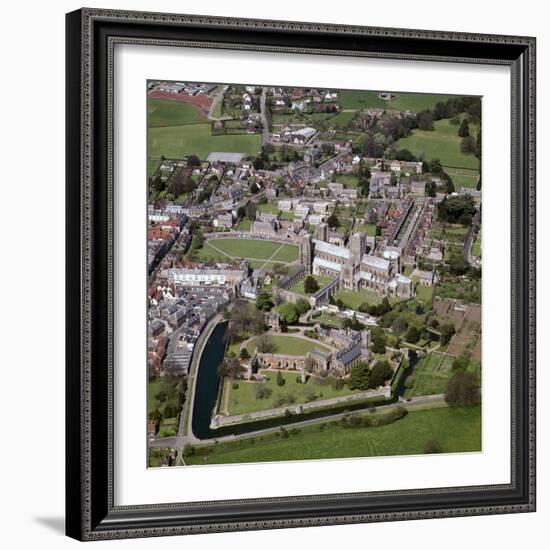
230 368
359 377
378 341
241 212
251 211
302 306
333 221
265 344
468 145
198 239
244 354
413 335
280 379
451 208
425 120
461 362
258 163
464 129
311 285
399 326
262 392
462 390
288 313
264 301
447 331
380 373
432 447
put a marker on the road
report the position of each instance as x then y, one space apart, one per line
265 126
217 99
470 241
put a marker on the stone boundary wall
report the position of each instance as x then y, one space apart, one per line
219 421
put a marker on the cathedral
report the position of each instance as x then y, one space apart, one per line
354 267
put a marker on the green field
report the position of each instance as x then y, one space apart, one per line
368 228
441 143
355 99
328 319
166 112
476 246
287 253
431 374
342 119
255 249
243 399
152 166
463 177
178 141
268 208
299 287
455 429
424 293
353 299
288 345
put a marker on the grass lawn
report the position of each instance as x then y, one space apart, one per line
342 119
209 255
165 112
463 177
328 319
368 228
456 430
349 180
289 345
287 253
460 289
244 225
168 427
441 143
152 166
178 141
299 287
353 300
476 246
243 400
357 99
268 208
424 293
430 375
289 216
255 249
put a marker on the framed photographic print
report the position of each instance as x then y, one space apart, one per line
300 274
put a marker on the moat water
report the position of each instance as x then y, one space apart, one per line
208 386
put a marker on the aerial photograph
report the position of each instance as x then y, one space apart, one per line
313 273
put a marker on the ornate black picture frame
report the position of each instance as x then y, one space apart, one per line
90 510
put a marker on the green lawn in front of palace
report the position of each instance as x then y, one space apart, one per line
288 345
455 429
299 286
286 253
243 399
256 249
